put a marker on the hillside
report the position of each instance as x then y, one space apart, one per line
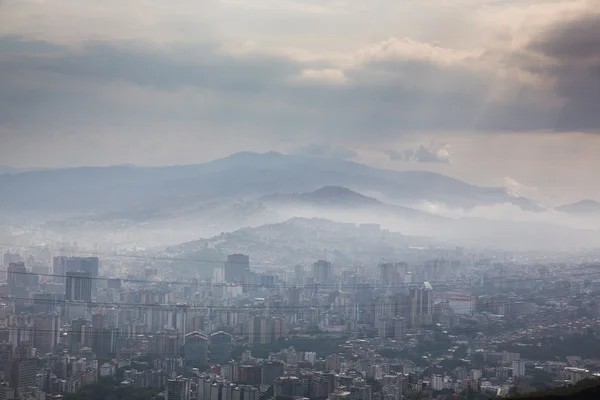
326 196
584 390
581 207
97 190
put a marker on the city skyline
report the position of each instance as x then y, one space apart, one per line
299 199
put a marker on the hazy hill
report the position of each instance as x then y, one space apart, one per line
342 204
588 389
301 240
581 207
336 196
94 190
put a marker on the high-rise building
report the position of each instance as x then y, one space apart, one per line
98 331
105 341
322 272
311 357
195 349
47 302
11 258
433 269
392 274
385 327
249 374
16 279
6 353
90 265
264 329
46 330
422 304
178 389
518 368
178 318
78 286
20 373
294 296
257 329
399 327
287 386
6 392
245 392
322 384
437 382
278 329
333 362
221 344
360 390
299 272
235 267
76 332
59 268
270 371
251 281
86 264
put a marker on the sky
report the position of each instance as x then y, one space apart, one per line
490 91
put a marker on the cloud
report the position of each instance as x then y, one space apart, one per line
518 189
511 212
324 76
427 77
433 153
382 96
326 150
571 51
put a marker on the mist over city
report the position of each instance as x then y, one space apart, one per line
299 200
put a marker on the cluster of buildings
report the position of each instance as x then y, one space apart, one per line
66 324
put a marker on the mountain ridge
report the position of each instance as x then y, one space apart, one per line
85 190
586 206
326 195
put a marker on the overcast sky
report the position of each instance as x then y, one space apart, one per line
490 91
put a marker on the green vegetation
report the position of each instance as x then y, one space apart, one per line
390 353
107 389
588 389
450 364
557 348
268 394
542 380
322 346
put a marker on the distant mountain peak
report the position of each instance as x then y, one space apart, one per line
326 195
254 155
332 190
586 206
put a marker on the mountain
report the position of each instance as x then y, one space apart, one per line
581 207
342 204
96 190
302 241
336 196
340 238
7 169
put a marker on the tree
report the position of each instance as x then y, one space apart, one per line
268 394
470 393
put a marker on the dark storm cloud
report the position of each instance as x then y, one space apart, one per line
577 39
573 48
382 98
201 67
